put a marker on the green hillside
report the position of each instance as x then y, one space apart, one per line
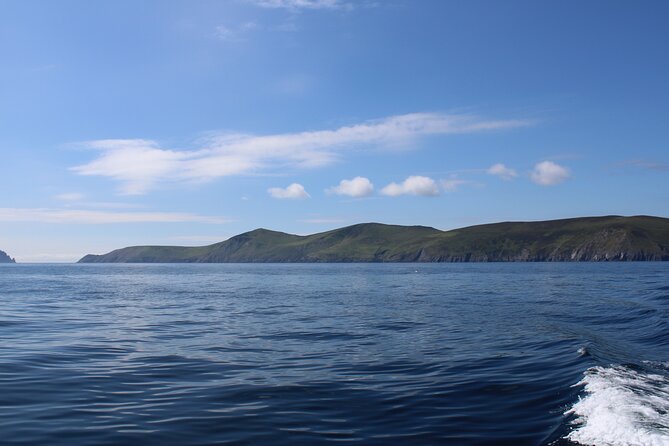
578 239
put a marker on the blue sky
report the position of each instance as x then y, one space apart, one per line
187 122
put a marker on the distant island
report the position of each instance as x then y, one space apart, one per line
4 258
610 238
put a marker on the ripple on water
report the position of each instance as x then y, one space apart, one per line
320 354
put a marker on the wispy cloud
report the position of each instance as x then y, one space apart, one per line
357 187
501 171
104 205
70 196
141 165
645 164
137 163
295 5
413 185
453 184
548 173
71 216
235 33
76 199
293 192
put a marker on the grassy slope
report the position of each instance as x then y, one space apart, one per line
149 254
363 242
591 238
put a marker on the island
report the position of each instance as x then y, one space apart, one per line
4 258
609 238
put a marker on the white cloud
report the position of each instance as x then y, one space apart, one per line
225 33
235 34
301 4
452 184
357 187
42 215
293 192
413 185
500 170
141 165
548 173
137 163
70 196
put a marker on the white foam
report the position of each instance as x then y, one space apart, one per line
622 407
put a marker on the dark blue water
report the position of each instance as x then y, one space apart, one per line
412 354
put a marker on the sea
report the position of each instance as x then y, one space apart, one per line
335 354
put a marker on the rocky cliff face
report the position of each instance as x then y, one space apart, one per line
604 245
4 258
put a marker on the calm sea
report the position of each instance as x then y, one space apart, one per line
368 354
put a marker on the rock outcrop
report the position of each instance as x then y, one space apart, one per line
4 258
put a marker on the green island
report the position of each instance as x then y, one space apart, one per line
610 238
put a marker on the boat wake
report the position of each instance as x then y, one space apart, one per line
622 406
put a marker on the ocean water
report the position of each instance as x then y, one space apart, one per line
367 354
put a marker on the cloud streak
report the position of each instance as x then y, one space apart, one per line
70 196
453 184
296 5
644 164
235 34
503 172
71 216
140 165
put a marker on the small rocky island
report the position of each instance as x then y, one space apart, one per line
4 258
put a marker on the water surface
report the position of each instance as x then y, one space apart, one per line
372 354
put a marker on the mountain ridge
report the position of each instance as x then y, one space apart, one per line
605 238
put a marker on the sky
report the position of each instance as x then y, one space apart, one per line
187 122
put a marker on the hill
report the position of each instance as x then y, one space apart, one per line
610 238
4 258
